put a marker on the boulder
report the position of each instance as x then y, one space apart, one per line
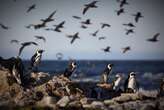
63 102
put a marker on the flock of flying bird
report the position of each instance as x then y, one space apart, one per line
84 25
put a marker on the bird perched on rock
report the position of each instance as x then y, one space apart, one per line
70 69
117 82
89 5
36 58
105 74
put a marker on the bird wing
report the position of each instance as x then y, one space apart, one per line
73 39
21 49
85 9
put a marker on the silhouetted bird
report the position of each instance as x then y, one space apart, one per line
95 33
76 17
120 11
40 38
90 5
49 18
125 49
103 25
14 41
130 25
123 2
128 31
83 26
24 45
70 69
4 27
59 26
107 49
38 26
105 74
102 38
154 39
36 58
137 16
87 22
74 37
32 7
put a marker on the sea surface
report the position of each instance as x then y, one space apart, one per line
149 73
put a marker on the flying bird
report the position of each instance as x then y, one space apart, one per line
102 38
83 26
4 27
32 7
49 18
59 26
95 33
107 49
154 39
74 37
40 38
120 11
123 2
14 41
88 6
37 26
125 49
103 25
129 24
87 22
76 17
138 15
25 44
59 56
128 31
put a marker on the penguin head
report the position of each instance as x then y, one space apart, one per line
40 51
109 66
132 74
118 76
73 64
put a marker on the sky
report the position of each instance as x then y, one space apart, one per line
13 14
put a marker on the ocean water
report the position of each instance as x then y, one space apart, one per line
149 73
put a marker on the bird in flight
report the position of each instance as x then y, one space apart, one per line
107 49
83 26
32 7
4 27
120 11
25 44
125 49
123 2
74 37
76 17
14 41
137 16
95 33
49 18
129 24
154 38
40 38
102 38
87 22
103 25
59 26
89 5
128 31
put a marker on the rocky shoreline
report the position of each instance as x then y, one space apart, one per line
58 93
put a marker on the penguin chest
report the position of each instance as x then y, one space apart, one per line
105 77
37 59
117 82
132 83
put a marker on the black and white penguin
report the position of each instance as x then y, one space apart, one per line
117 82
36 58
105 74
70 69
131 84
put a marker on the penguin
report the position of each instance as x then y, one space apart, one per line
18 70
36 58
131 84
70 69
117 82
105 74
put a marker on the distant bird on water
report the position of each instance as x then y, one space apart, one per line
40 38
125 49
137 16
103 25
154 38
4 27
129 24
74 37
128 31
14 41
32 7
120 11
89 5
25 44
107 49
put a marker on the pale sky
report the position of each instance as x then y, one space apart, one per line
13 14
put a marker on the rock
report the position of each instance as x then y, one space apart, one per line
110 102
86 100
75 104
47 101
98 105
63 102
147 107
